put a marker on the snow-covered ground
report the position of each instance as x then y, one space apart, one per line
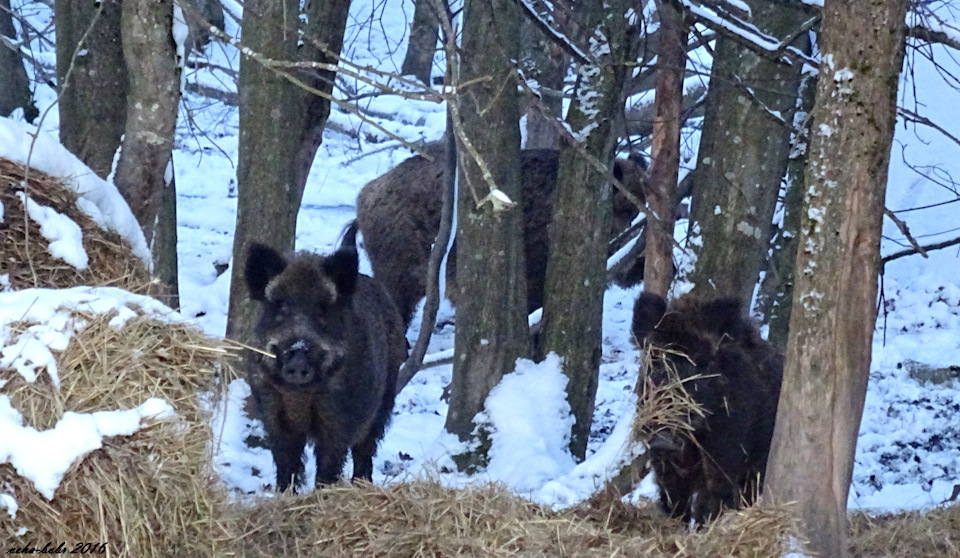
909 450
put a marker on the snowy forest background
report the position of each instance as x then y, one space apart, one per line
272 139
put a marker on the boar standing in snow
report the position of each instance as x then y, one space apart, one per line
399 216
734 375
334 342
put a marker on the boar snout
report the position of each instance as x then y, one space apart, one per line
296 369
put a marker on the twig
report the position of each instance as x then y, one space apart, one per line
923 250
905 230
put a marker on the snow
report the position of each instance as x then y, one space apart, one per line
75 435
65 236
908 456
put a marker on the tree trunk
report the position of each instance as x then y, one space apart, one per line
491 303
775 299
546 63
152 100
165 260
93 97
579 232
14 87
281 127
834 304
665 150
424 32
743 155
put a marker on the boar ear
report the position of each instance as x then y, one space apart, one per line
724 315
647 313
341 266
263 264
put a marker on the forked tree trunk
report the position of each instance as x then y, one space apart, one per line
834 304
491 304
14 86
93 97
665 150
579 232
743 155
281 127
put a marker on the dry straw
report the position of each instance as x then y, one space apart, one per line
23 253
145 494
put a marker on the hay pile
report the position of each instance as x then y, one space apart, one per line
23 252
147 494
934 533
425 519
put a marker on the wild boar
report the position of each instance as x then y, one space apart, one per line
734 375
332 343
399 216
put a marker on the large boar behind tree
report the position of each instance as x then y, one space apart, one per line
734 375
399 216
335 343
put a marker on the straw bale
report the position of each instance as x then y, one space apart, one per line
150 494
23 252
933 533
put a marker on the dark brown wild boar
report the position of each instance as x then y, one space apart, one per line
399 216
729 370
337 342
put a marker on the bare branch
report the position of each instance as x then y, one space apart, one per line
905 230
919 250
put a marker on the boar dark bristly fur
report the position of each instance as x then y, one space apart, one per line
338 343
735 376
399 216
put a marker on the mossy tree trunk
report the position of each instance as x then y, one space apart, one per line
743 155
579 232
93 98
14 87
491 304
281 127
835 296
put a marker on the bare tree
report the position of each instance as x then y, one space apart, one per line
579 231
144 170
14 87
491 307
282 117
93 98
665 151
424 32
835 297
744 151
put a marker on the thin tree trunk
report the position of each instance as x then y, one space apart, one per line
834 304
424 32
281 127
14 87
775 300
165 260
153 96
665 150
93 100
743 155
491 304
579 232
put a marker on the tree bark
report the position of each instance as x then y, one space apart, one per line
14 87
93 97
775 299
153 96
579 232
743 156
491 303
166 264
545 62
834 304
665 150
281 127
424 32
